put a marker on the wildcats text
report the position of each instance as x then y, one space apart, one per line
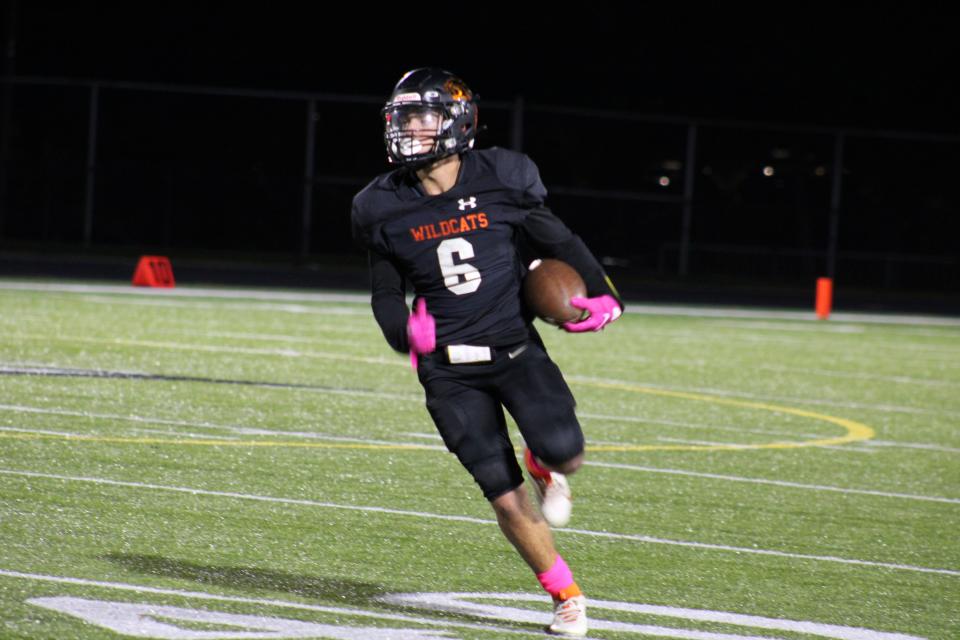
461 224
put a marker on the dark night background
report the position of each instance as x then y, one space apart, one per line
608 94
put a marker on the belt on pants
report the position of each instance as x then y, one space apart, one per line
474 354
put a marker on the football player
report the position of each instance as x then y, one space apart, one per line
457 225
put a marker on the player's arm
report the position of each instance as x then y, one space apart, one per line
388 299
551 238
544 232
387 284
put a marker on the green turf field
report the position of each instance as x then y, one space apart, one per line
201 466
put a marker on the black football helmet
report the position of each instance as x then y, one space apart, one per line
431 114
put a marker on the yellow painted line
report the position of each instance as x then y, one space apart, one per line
212 443
855 431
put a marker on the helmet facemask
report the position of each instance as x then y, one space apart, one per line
416 132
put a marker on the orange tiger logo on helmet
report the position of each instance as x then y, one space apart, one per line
457 90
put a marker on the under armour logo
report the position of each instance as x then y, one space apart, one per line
472 203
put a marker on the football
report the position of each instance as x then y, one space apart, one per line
547 290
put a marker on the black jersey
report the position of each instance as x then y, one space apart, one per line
461 250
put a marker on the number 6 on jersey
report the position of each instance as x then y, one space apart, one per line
452 271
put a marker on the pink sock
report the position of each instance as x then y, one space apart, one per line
557 579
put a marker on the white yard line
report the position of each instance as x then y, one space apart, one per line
776 483
199 595
488 522
464 603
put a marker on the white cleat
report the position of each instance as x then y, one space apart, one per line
556 504
553 495
570 617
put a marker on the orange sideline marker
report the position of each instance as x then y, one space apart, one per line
824 297
153 271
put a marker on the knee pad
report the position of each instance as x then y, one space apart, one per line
496 475
559 446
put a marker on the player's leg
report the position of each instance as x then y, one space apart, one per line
525 529
536 395
473 427
540 401
532 538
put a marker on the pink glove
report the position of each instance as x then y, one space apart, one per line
422 332
603 310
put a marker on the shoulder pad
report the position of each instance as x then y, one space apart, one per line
514 169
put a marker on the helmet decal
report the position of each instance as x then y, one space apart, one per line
457 90
406 97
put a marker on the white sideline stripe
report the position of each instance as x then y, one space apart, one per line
734 312
47 432
330 437
756 396
777 483
783 326
910 445
236 306
686 337
710 443
267 337
930 382
364 298
187 292
185 346
342 392
199 595
472 520
425 436
179 434
702 364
